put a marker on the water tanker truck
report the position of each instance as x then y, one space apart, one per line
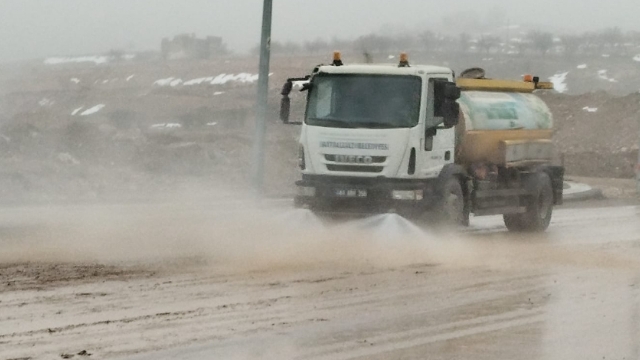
416 141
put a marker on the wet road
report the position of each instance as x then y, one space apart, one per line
571 293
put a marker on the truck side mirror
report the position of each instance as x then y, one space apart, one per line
444 90
446 93
451 91
450 113
285 109
285 103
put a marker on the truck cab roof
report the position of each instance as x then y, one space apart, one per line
385 69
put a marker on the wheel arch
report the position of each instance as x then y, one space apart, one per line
453 170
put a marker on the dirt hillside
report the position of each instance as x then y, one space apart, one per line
597 132
142 127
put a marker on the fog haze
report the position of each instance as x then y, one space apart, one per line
40 28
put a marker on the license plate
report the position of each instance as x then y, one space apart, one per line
357 193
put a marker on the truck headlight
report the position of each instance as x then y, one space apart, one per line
307 191
407 194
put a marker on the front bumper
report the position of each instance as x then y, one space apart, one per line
366 195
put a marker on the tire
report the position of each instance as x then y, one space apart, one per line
512 222
539 206
452 210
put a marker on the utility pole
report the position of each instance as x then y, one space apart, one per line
508 41
262 97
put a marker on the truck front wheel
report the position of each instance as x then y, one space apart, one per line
539 206
452 209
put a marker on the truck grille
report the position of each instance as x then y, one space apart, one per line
355 168
355 163
355 159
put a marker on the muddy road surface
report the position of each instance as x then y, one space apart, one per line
190 281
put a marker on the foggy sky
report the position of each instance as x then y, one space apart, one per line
40 28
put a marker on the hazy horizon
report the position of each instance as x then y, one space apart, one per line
37 29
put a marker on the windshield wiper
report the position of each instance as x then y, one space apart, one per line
332 121
377 125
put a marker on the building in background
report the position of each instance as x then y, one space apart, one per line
188 46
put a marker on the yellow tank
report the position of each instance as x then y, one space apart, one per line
502 123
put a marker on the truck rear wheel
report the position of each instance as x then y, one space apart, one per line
512 222
452 209
539 206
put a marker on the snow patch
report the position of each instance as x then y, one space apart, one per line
46 102
602 74
81 59
212 124
590 109
218 93
391 57
606 55
166 126
241 78
636 58
74 112
171 81
220 79
92 110
582 66
75 80
559 81
130 77
198 81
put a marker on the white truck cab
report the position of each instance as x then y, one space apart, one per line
381 138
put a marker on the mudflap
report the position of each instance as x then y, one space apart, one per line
556 173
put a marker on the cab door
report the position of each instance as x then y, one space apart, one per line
438 143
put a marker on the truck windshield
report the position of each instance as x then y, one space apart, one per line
364 101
